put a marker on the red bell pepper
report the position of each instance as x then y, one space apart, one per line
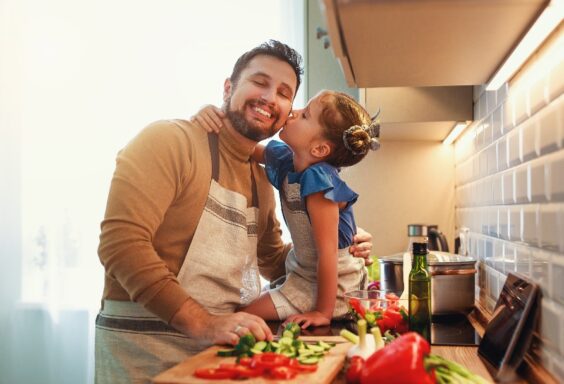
358 308
400 362
354 371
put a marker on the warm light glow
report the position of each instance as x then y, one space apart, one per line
455 132
545 24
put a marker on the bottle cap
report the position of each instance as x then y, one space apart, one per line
420 248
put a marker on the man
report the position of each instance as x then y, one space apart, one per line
183 237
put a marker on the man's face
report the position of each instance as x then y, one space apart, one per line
259 104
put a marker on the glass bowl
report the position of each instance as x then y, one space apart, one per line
379 308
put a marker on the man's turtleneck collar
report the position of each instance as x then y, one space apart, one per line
236 144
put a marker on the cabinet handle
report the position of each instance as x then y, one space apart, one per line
326 43
320 32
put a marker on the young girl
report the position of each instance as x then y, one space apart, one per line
333 131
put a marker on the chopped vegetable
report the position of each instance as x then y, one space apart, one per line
386 314
213 374
378 340
365 346
399 362
354 370
448 372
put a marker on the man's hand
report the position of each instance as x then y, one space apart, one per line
314 318
209 118
193 320
227 329
362 245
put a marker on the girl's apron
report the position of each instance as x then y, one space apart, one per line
219 271
300 287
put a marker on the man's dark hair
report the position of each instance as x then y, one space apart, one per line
272 48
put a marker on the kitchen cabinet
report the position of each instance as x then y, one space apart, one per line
415 43
418 113
322 70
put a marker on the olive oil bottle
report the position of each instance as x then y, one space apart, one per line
420 293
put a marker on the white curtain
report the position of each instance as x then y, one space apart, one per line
78 79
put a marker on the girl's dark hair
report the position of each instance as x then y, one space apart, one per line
272 48
339 113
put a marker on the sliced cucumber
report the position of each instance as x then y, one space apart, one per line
226 352
260 345
309 360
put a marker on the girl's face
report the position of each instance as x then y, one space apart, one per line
303 130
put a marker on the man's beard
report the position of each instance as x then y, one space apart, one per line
243 126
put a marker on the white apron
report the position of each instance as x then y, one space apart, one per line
300 287
220 272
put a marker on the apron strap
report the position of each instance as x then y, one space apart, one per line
213 141
214 154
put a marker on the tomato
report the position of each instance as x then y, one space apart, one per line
357 306
355 369
213 374
268 360
283 373
294 363
392 296
245 361
240 371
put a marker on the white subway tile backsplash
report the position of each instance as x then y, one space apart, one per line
515 223
510 190
529 140
492 159
529 224
497 123
508 114
540 264
520 184
550 325
550 123
502 162
502 94
550 232
491 101
519 96
523 260
557 278
536 181
513 148
556 80
507 183
537 96
483 106
556 177
503 218
497 190
509 257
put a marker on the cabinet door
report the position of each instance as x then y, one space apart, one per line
322 69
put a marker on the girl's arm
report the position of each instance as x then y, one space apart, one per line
209 118
324 216
258 154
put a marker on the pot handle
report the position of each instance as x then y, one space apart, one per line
454 272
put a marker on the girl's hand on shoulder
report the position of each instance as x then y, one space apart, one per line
209 118
307 319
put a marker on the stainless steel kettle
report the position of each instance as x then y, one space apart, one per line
436 239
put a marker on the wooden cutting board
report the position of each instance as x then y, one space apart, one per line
327 369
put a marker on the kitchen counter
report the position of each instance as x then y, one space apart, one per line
466 356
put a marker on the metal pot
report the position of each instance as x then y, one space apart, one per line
452 280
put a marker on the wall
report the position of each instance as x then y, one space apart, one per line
510 190
403 182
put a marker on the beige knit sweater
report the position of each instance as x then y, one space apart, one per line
157 195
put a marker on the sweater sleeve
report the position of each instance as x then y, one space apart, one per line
149 171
